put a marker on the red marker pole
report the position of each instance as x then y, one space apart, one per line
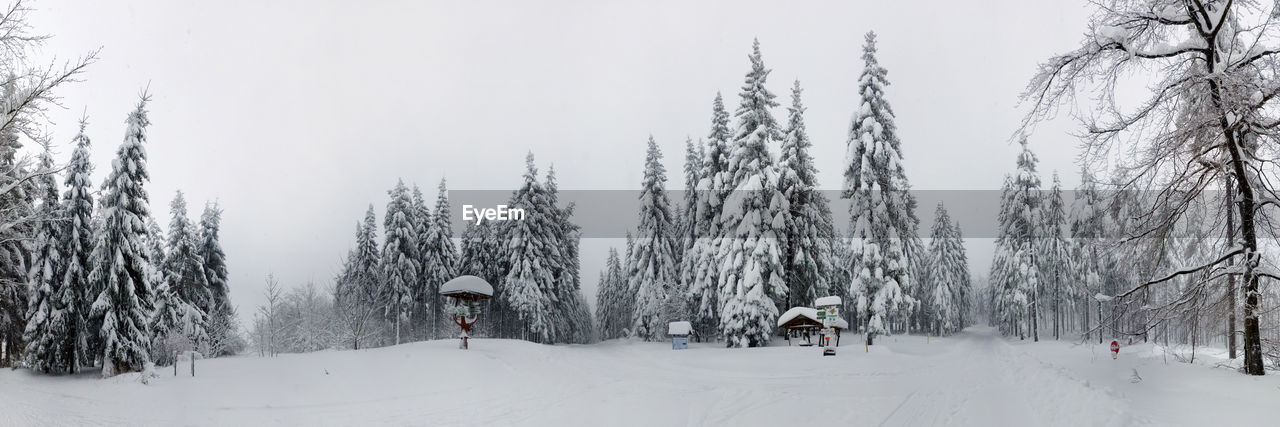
1115 350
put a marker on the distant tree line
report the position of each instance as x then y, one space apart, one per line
387 292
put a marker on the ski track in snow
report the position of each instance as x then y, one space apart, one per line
975 378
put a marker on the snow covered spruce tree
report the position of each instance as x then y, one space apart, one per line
1206 119
1088 232
843 275
483 255
154 246
654 251
19 220
421 220
50 333
699 267
1055 260
1008 302
809 230
183 266
688 214
439 258
56 330
30 88
875 119
677 305
949 271
122 312
179 321
224 329
965 294
752 245
571 315
176 325
612 300
357 297
880 206
399 264
1024 228
1016 267
531 245
604 304
75 244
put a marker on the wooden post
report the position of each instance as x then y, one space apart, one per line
193 364
175 363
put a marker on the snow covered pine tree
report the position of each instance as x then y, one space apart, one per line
879 205
752 245
123 309
654 250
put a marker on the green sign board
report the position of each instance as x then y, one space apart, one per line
822 314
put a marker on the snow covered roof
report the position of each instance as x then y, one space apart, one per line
794 312
827 301
810 314
679 328
467 285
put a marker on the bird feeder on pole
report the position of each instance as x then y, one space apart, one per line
466 292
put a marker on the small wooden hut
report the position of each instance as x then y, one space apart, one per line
803 322
679 332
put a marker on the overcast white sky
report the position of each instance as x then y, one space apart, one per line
296 115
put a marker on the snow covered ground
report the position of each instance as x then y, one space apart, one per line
975 378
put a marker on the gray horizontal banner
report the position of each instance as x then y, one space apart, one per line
612 213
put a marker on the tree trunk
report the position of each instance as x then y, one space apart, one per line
397 320
1231 278
1035 313
1146 316
1056 296
1195 330
1084 318
1099 322
1252 336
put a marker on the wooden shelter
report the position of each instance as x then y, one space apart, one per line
803 323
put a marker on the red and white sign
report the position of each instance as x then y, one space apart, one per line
1115 349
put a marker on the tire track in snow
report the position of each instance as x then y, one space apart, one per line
895 410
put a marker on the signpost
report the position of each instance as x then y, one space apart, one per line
466 292
1115 350
828 315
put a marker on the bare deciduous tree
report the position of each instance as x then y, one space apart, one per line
1208 116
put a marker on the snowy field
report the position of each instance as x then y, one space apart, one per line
975 378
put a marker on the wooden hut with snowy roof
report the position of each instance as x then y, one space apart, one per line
679 332
804 322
